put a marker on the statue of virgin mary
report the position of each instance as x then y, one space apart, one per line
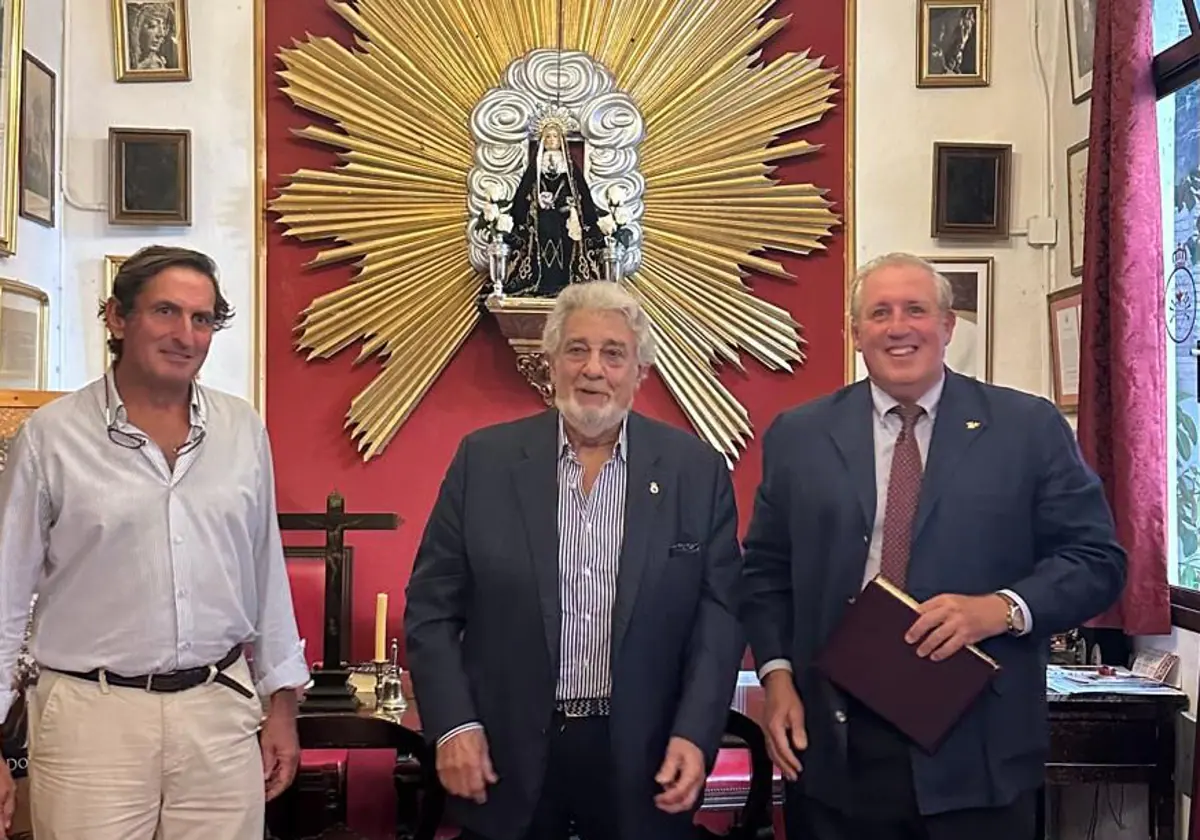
554 221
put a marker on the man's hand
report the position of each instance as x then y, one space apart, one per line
464 766
949 623
784 723
8 796
681 776
280 744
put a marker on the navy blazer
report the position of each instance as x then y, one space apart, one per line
1006 502
482 620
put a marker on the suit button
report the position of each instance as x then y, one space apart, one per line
839 716
866 539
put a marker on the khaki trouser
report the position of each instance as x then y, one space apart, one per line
113 763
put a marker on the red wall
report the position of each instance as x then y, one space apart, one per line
307 402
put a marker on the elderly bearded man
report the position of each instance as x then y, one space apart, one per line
571 625
142 509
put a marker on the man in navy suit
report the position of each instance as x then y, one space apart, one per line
571 625
974 499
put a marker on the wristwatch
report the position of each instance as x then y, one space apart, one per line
1015 618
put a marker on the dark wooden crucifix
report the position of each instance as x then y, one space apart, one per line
331 689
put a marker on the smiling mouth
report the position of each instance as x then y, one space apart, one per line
901 352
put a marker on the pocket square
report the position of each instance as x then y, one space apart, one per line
684 548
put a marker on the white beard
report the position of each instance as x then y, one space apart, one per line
590 422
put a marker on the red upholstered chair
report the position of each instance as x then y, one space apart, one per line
306 575
743 787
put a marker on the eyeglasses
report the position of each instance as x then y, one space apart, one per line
128 440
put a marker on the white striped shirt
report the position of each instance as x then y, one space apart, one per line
591 528
141 568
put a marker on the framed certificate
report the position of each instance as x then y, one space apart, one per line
1066 342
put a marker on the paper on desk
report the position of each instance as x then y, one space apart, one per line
1060 680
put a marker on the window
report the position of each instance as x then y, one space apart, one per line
1177 79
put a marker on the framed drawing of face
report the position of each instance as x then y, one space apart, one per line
953 43
38 142
151 176
151 41
971 282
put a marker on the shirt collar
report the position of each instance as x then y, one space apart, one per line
115 405
564 445
885 402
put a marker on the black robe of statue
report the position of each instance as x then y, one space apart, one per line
546 258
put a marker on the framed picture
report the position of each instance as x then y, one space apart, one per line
15 408
112 265
970 348
38 141
1066 342
151 41
971 190
1081 46
12 15
1077 167
953 43
151 176
24 336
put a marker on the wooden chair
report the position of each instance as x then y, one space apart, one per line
337 731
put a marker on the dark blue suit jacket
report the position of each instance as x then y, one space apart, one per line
482 621
1006 502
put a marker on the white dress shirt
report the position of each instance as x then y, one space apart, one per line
140 568
886 430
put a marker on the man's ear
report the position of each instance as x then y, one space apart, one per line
113 318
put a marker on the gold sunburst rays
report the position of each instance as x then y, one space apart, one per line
397 204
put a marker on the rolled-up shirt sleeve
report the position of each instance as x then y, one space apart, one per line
278 653
25 517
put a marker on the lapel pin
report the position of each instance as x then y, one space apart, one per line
654 487
972 424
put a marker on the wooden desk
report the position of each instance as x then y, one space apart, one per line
1117 739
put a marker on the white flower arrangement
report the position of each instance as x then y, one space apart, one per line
615 223
493 218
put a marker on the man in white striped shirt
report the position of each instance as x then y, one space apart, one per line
141 509
570 619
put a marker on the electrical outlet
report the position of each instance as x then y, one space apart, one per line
1043 230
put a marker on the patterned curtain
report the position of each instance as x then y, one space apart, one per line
1122 398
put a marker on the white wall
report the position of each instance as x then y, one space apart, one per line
37 258
898 124
218 107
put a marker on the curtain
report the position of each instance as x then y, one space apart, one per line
1122 397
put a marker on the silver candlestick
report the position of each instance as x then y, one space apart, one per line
498 265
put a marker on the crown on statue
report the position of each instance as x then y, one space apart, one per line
553 117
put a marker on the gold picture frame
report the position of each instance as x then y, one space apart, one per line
1077 175
150 176
12 25
954 43
16 406
1065 311
112 264
151 41
24 336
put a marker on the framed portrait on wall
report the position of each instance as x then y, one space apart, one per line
150 176
1077 170
12 16
953 43
151 42
38 141
971 190
1065 308
971 279
15 408
24 336
112 264
1081 46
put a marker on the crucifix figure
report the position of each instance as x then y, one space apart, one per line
331 689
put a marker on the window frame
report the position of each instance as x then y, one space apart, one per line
1176 67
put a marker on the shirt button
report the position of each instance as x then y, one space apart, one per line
587 616
587 572
178 540
182 593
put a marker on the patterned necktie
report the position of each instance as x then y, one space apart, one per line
904 488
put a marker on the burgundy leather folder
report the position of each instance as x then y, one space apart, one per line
866 656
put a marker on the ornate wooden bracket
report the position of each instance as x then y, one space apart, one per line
522 320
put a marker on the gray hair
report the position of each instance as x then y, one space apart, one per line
599 296
899 259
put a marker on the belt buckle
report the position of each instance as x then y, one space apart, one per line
574 710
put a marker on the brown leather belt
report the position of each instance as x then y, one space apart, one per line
173 681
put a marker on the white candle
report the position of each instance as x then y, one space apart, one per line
381 604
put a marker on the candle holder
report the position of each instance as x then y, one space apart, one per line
389 692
